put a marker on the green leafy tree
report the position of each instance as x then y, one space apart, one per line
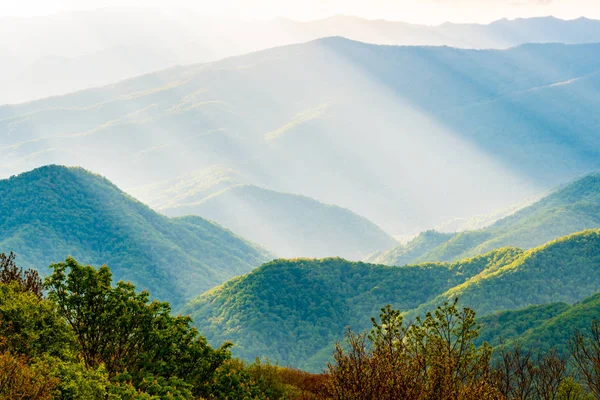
31 325
138 342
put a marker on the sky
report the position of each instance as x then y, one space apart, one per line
416 11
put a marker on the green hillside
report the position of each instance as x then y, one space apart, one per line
572 208
290 225
53 212
292 311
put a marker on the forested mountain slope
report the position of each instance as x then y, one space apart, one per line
290 225
291 311
53 212
356 125
569 209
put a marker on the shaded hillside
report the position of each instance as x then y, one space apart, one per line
572 208
328 119
290 225
541 328
53 212
291 311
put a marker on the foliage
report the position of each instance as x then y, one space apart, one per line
20 379
291 311
518 375
28 281
30 325
434 358
76 381
136 340
586 355
277 382
92 340
564 270
543 327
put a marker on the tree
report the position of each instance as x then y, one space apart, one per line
585 351
434 358
443 345
31 326
551 373
515 374
28 280
135 339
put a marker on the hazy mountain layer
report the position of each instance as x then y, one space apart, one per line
408 137
289 225
53 212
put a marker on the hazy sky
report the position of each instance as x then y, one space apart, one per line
418 11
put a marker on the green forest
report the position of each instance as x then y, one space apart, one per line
373 201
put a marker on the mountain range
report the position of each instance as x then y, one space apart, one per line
52 55
309 119
279 183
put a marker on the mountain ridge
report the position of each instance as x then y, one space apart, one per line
54 211
287 224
